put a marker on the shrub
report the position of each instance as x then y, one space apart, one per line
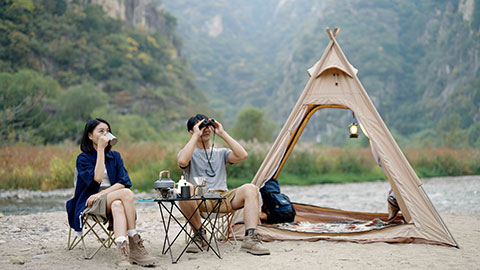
61 174
50 167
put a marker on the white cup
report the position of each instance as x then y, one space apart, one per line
113 139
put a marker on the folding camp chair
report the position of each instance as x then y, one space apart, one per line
92 225
224 227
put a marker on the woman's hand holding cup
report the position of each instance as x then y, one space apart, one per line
112 139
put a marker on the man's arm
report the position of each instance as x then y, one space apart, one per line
185 155
238 152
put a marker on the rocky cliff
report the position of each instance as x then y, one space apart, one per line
142 13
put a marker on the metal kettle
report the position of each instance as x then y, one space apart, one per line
165 186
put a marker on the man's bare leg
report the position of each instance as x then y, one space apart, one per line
187 208
247 197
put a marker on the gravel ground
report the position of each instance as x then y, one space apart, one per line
38 240
450 195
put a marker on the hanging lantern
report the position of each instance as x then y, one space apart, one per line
353 130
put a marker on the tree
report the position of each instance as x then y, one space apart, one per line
73 108
79 101
252 124
24 100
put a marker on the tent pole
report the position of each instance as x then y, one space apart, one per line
335 31
330 34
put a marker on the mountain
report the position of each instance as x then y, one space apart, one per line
236 50
73 60
418 60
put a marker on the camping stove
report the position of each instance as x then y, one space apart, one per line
165 186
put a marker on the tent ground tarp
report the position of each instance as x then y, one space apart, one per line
341 226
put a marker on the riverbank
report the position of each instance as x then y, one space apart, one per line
38 241
452 195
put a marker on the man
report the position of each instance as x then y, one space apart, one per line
198 159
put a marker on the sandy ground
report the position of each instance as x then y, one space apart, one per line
38 241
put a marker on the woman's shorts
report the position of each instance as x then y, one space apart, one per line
99 209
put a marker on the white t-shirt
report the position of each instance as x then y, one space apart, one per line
105 181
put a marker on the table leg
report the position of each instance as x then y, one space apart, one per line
215 210
182 229
166 227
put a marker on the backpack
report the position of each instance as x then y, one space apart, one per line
276 205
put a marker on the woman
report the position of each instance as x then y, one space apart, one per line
102 189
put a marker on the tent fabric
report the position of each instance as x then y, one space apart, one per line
334 83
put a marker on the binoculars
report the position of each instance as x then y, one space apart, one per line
206 123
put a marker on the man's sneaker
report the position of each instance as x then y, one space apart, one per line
192 248
122 254
138 253
253 244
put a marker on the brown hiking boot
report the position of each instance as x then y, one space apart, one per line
122 254
253 244
192 248
138 253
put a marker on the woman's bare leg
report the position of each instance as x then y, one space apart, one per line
126 197
120 221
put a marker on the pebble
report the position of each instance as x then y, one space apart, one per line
39 256
17 261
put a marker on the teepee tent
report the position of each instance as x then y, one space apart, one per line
334 84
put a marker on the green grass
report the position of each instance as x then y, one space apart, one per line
51 167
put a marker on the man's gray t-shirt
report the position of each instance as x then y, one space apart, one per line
198 167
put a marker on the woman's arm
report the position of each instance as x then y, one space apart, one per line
95 196
100 165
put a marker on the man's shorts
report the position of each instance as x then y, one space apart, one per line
226 205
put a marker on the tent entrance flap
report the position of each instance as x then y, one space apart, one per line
299 130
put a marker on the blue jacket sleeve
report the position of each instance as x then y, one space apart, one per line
86 169
122 174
